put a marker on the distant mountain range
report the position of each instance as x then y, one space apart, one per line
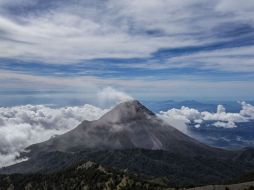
130 137
211 106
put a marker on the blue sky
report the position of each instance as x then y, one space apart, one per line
156 49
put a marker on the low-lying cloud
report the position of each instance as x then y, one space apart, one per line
21 126
221 118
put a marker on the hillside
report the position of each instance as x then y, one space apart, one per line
88 175
175 169
92 176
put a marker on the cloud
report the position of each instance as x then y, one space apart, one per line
219 119
63 36
111 96
223 59
67 33
21 126
10 159
175 121
164 42
229 124
247 110
186 114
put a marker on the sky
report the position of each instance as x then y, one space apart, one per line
67 51
73 60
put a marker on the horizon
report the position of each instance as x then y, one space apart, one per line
53 100
70 98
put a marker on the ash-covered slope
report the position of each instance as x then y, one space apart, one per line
129 125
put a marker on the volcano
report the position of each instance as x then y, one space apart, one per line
132 137
127 126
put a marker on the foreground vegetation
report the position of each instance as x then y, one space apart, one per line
85 176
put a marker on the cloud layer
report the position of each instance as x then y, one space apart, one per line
219 119
64 32
137 46
22 126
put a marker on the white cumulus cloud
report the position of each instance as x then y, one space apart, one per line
219 119
21 126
